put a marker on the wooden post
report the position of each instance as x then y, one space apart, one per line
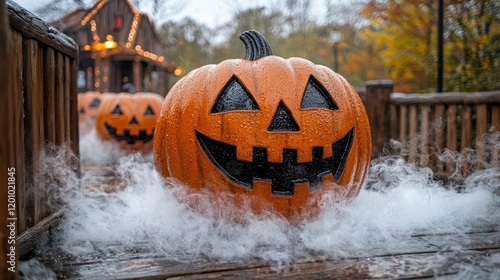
481 137
8 253
412 134
466 140
451 135
137 79
424 135
378 93
439 139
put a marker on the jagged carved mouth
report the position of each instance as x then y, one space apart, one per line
143 136
282 175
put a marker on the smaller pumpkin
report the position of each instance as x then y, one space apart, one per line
88 105
129 119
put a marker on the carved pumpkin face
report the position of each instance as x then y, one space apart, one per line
282 130
129 119
88 105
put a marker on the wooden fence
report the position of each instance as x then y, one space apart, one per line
453 133
39 97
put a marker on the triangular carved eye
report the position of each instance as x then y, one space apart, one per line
149 111
316 96
95 103
117 110
234 96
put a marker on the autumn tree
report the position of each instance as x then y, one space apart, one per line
473 32
189 43
268 22
403 34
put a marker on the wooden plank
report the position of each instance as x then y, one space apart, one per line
427 265
35 28
424 134
49 111
423 255
59 99
481 129
73 96
9 256
40 189
49 102
469 98
402 128
38 235
32 126
67 100
495 134
413 141
495 117
451 135
17 93
394 122
466 140
439 127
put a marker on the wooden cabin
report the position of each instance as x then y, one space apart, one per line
118 48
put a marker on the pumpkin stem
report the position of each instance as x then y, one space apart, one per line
256 45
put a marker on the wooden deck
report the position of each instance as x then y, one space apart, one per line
426 255
420 257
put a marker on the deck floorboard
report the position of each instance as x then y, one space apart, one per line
421 256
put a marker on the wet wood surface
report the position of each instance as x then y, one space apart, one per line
421 256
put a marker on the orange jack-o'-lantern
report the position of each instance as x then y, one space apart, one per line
88 105
283 131
129 119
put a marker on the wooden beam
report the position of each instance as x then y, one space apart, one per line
35 28
492 97
38 235
8 251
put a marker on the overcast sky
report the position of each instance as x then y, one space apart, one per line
209 12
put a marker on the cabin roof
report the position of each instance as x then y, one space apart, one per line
81 19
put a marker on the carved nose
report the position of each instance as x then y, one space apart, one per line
283 120
133 121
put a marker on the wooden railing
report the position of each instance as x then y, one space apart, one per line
39 97
452 133
468 123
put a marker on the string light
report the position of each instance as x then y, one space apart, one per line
93 28
93 12
133 29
